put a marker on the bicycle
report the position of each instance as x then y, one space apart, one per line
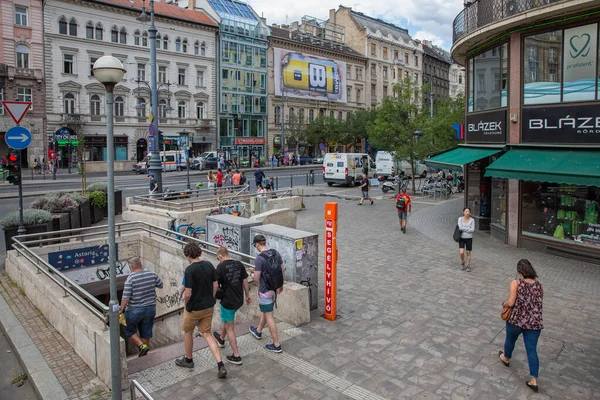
190 229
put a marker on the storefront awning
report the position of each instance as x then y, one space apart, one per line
573 167
455 159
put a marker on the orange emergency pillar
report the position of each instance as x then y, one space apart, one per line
330 260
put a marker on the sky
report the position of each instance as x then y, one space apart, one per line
430 19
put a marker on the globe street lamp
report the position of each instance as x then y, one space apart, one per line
186 135
109 71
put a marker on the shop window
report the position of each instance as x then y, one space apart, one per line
542 69
488 80
566 213
499 204
479 189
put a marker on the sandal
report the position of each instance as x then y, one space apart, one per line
500 354
468 268
532 387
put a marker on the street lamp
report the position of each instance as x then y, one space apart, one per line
109 71
186 135
155 163
283 98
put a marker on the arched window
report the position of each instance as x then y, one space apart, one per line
123 36
311 115
177 44
145 39
99 32
62 26
95 105
200 110
69 103
119 107
89 30
181 109
277 114
136 38
185 45
162 108
158 41
114 34
22 56
331 114
290 114
196 48
165 42
301 115
203 49
141 107
72 27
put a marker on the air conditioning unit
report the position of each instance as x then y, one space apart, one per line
512 7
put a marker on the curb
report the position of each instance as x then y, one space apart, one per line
44 381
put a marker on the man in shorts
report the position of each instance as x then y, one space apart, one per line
233 288
199 297
139 304
364 187
402 211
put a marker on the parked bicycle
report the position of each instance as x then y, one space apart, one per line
190 230
238 209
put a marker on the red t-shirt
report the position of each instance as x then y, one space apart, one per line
219 178
406 201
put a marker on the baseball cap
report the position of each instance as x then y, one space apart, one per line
259 239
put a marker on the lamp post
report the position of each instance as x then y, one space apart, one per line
109 71
155 163
186 135
283 98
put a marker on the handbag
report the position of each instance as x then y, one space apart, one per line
506 312
457 233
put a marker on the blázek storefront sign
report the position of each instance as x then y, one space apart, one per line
561 124
487 127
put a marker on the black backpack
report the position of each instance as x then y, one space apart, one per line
401 202
242 179
272 270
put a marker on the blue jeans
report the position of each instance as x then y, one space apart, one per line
530 337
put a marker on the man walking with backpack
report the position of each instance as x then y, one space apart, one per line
403 205
269 272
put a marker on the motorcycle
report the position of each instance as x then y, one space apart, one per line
461 184
388 186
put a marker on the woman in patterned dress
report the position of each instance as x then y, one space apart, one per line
525 297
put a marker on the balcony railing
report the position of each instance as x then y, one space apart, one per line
479 13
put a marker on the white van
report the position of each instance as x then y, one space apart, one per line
420 169
347 168
171 160
385 164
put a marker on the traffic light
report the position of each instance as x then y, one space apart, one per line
14 168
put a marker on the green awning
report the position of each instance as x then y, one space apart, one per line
455 159
575 167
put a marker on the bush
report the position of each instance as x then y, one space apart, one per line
101 186
30 217
97 198
77 197
42 203
66 203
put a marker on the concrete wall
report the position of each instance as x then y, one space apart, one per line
100 166
284 217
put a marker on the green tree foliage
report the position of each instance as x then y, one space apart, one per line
356 126
295 129
326 130
438 130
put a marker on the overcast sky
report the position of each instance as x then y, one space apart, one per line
429 19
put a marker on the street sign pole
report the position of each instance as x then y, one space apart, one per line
21 229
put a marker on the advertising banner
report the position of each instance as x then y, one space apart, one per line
486 127
579 63
563 124
307 76
250 141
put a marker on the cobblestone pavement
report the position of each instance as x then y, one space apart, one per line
411 324
76 378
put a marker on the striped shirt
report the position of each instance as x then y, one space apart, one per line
140 289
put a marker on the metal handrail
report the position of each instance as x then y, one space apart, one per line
134 386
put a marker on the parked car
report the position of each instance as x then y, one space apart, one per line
211 163
305 160
318 160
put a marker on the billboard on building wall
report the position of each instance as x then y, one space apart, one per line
307 76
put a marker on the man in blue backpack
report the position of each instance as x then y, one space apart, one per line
269 272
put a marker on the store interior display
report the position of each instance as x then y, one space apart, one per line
499 202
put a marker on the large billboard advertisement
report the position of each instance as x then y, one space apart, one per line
307 76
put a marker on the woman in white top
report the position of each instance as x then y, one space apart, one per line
211 181
466 224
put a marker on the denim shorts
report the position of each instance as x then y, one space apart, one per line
142 319
365 194
402 215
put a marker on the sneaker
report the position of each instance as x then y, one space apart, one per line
143 350
222 372
273 348
182 362
255 333
234 360
360 204
220 342
462 265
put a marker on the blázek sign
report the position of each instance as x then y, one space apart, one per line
562 124
488 127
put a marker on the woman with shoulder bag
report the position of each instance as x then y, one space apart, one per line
525 298
466 225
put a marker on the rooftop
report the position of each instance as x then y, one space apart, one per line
314 41
376 24
234 8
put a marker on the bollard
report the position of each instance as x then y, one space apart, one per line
277 182
306 179
291 181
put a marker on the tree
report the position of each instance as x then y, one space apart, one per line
396 125
326 130
295 130
356 126
438 130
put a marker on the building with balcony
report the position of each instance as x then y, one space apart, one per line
436 71
295 100
22 71
78 33
241 78
532 122
457 80
393 55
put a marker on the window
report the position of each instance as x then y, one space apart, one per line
358 95
385 90
181 109
406 58
200 78
203 50
348 93
68 64
99 32
89 30
165 42
358 74
177 44
123 36
95 105
373 90
69 103
348 72
114 34
488 83
373 49
396 55
162 74
416 78
181 76
373 70
200 110
460 79
23 94
136 38
385 52
162 108
277 115
62 26
141 107
184 45
311 115
141 75
416 61
119 107
21 16
145 39
22 56
92 61
158 41
301 115
340 116
196 48
73 27
385 72
543 69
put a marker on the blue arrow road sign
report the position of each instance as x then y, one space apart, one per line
18 138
